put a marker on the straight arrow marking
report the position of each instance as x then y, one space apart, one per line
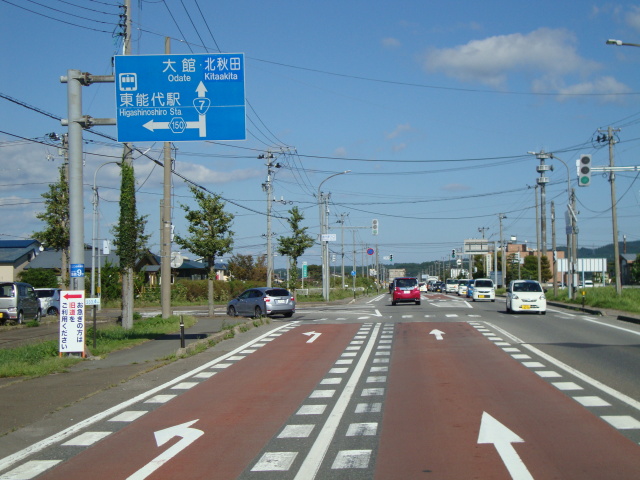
492 431
438 334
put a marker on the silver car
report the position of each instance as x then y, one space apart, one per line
18 301
256 302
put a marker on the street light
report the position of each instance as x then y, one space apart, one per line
323 230
620 43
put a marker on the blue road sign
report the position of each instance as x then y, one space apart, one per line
76 270
175 98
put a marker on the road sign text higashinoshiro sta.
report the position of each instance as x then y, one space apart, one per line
173 98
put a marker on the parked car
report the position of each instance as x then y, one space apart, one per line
406 290
470 287
462 287
587 284
483 289
18 301
526 296
49 300
452 285
256 302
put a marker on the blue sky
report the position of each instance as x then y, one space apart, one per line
432 106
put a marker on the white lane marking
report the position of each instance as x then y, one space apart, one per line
311 464
369 407
351 459
365 429
585 378
31 469
566 386
275 462
592 401
296 431
86 439
627 330
160 399
7 462
129 416
311 410
622 422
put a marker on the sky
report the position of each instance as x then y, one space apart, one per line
431 106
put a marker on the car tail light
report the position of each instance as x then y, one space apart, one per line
293 299
267 299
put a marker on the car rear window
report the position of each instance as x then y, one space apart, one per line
484 283
44 293
278 292
406 282
527 287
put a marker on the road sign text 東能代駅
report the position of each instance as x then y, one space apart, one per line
173 98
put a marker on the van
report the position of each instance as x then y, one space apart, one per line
18 301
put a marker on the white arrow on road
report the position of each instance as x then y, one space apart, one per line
313 336
492 431
437 333
189 435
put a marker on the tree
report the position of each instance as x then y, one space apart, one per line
295 245
243 267
56 235
130 240
210 234
39 278
635 270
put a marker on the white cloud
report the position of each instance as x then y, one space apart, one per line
203 175
633 18
490 60
390 42
405 127
340 152
606 87
399 147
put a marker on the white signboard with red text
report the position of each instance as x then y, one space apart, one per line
72 307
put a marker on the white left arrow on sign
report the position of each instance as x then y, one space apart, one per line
189 435
492 431
313 336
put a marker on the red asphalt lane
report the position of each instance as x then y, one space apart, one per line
438 391
239 409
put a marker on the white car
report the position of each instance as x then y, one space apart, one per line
451 285
49 300
483 289
526 296
462 287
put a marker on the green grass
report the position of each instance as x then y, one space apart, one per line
602 297
42 358
34 360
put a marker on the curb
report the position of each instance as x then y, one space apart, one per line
217 337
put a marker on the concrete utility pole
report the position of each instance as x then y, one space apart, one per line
165 222
553 248
614 210
501 216
542 180
268 188
538 236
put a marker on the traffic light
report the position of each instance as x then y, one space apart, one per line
584 171
453 253
374 227
391 257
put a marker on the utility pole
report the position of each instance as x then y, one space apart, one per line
553 247
614 211
342 215
538 236
501 216
165 222
268 188
542 181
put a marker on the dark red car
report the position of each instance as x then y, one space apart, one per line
406 289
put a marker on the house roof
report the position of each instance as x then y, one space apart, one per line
629 257
12 250
51 259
